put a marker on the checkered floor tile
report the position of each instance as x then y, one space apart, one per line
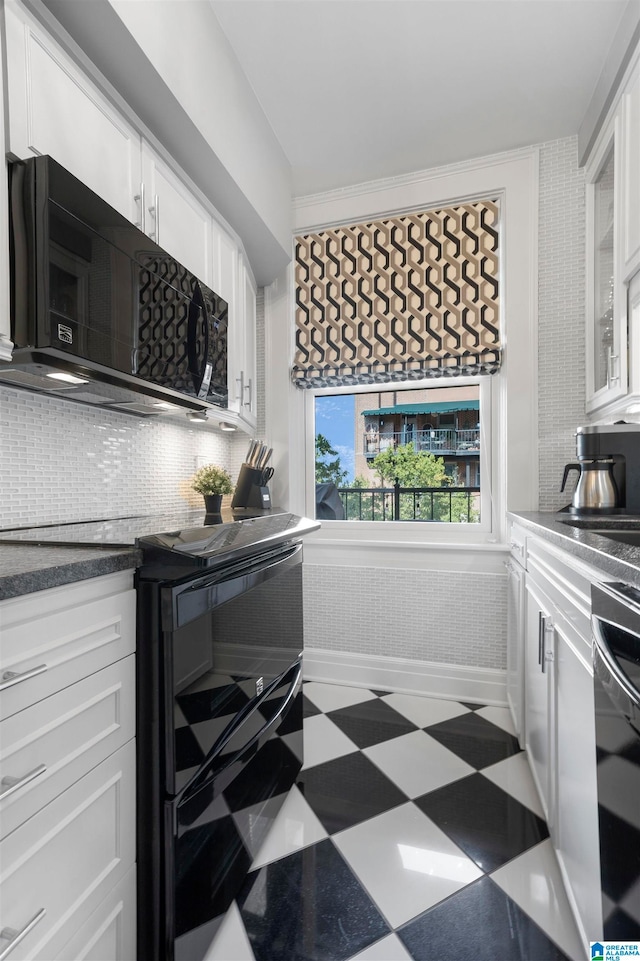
414 832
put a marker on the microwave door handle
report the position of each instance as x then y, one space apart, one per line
197 313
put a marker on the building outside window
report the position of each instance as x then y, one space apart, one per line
409 454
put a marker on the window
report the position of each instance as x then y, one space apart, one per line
407 454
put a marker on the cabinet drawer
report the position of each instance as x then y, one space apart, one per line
518 543
68 857
110 932
73 631
567 582
68 734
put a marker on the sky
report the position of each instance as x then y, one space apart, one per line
334 419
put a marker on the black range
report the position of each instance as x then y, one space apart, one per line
219 705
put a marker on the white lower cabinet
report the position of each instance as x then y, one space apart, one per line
539 692
559 718
110 932
67 797
576 822
65 859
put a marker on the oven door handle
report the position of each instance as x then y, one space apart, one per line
618 686
194 600
201 778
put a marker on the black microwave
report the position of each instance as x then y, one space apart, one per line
99 312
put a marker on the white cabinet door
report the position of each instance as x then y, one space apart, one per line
631 177
539 719
576 826
53 108
248 408
174 218
64 860
110 932
242 334
605 301
515 645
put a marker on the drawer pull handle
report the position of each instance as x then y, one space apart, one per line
9 678
12 784
14 937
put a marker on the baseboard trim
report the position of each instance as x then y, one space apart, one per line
450 681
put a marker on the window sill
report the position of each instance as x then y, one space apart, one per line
482 553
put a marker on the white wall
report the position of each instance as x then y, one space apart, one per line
561 314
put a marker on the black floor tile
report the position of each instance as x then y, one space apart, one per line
371 722
348 790
472 707
474 739
308 907
482 819
478 923
308 707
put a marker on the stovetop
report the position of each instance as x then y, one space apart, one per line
190 534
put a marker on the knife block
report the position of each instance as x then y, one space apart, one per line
250 491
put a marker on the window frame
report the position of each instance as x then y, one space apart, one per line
513 176
414 531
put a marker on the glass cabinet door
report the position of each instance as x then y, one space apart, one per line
605 353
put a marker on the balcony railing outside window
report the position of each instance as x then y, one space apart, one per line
439 504
433 441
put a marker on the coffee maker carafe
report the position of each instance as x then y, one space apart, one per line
596 489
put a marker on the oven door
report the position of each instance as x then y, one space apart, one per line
224 813
228 636
616 664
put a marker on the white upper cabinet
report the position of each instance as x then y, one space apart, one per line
630 119
245 369
53 108
613 254
173 217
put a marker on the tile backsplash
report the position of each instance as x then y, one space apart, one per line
63 462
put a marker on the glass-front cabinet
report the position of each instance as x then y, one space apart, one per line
603 278
612 177
606 310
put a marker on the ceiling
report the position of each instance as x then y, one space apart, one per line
358 90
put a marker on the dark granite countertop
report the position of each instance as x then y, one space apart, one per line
589 543
25 568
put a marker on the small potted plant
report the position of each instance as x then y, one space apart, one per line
212 482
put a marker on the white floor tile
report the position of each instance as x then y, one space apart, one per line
500 716
231 942
424 710
406 863
417 763
390 948
295 827
534 882
332 697
513 775
323 741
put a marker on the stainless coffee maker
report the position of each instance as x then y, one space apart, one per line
596 489
608 457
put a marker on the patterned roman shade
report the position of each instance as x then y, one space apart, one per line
399 299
